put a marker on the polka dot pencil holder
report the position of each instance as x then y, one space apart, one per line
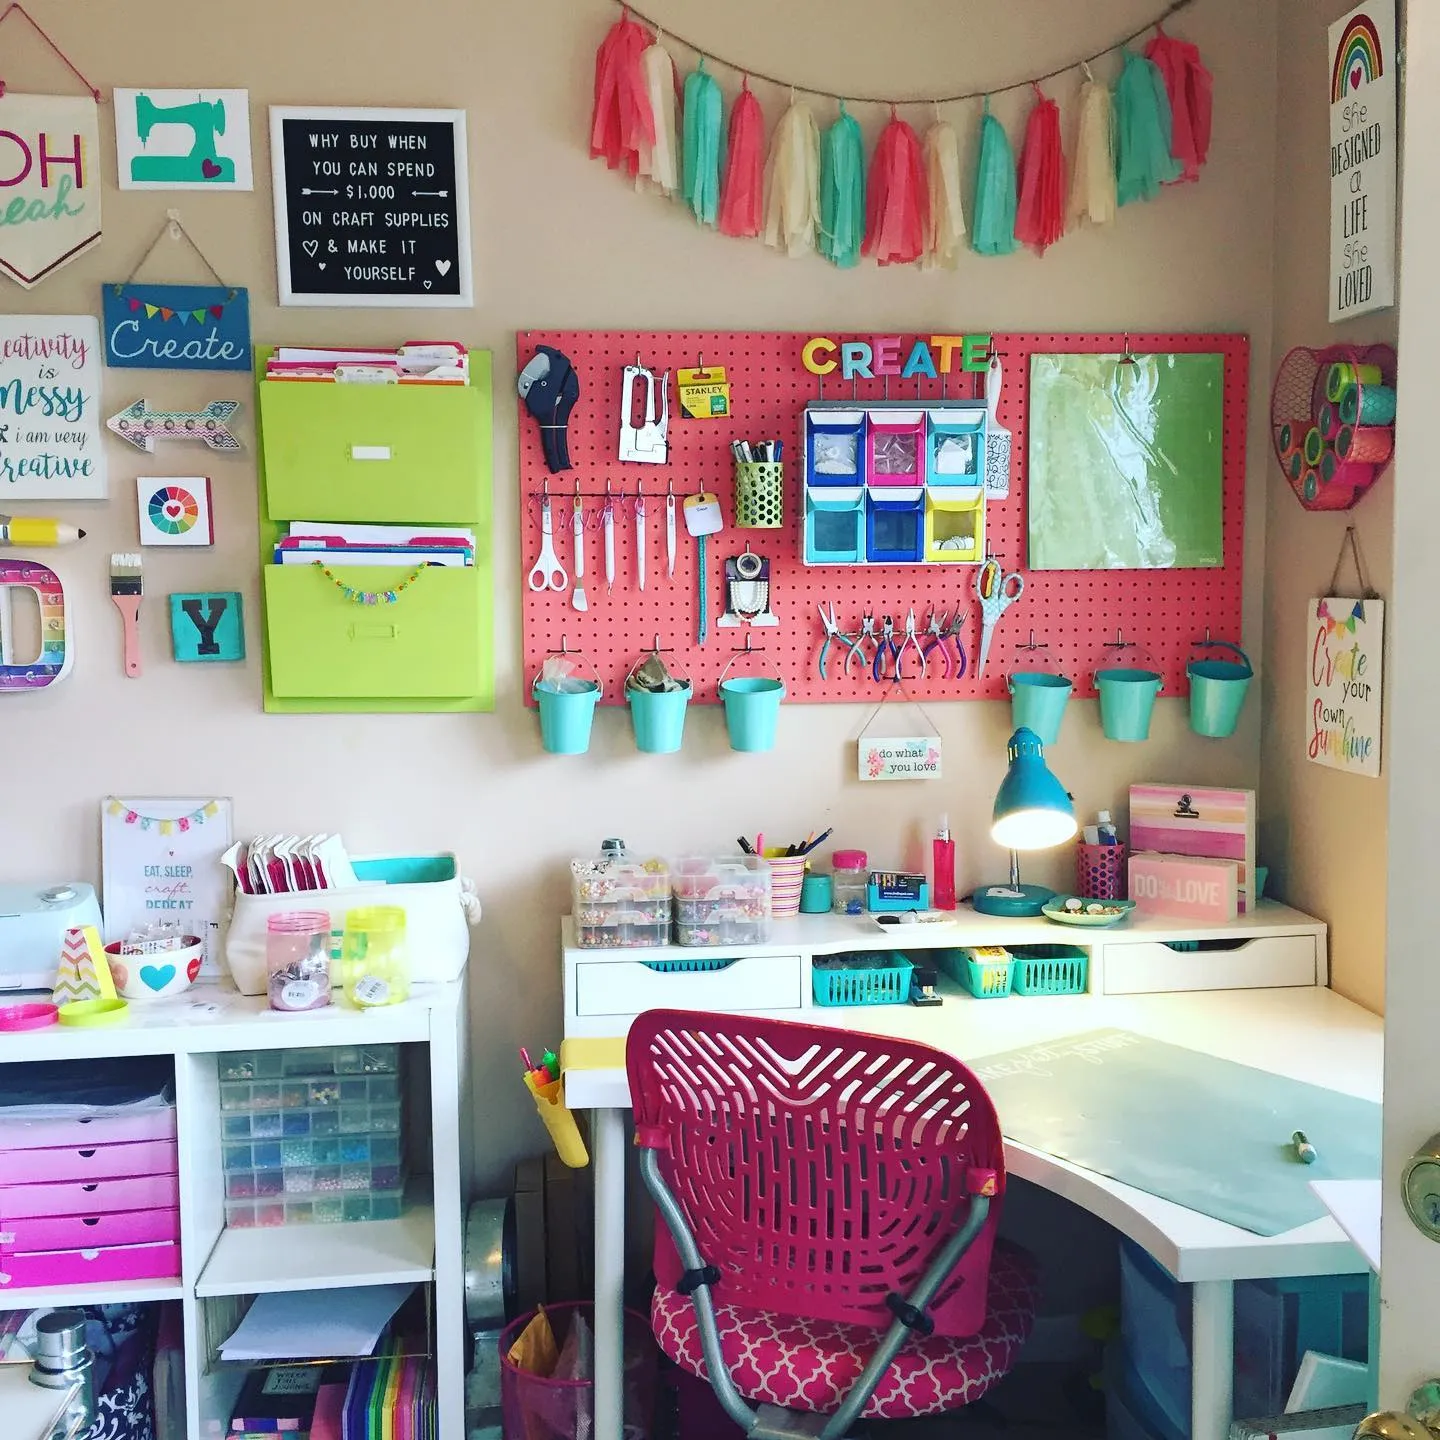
759 488
1100 872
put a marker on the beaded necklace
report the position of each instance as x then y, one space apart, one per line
368 597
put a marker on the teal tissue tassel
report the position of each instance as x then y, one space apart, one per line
1143 161
842 191
992 231
701 164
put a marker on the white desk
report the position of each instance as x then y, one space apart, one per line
1306 1033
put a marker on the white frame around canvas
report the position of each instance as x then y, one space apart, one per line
456 119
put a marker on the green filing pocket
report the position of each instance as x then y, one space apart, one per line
323 645
388 454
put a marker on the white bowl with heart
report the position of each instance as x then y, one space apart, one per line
154 977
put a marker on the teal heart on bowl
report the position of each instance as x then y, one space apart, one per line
157 977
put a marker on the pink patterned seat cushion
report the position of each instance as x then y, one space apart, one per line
809 1364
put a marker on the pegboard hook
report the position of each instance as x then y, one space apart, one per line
1033 644
1119 642
748 648
564 647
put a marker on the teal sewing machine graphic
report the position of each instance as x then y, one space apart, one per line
201 165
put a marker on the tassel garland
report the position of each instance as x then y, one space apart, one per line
993 230
897 205
1092 185
842 191
660 161
701 168
1191 90
621 125
1142 131
945 234
792 199
742 193
1040 212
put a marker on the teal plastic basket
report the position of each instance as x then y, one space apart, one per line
887 982
1050 969
986 979
690 965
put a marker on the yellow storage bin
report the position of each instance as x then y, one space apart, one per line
955 525
321 644
389 454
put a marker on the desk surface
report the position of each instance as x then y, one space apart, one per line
1305 1033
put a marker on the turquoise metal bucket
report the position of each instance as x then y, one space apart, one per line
1217 691
566 717
752 710
1127 699
659 718
1037 701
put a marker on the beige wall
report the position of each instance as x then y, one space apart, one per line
1323 832
560 241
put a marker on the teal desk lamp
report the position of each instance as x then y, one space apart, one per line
1032 812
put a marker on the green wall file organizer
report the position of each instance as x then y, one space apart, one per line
377 454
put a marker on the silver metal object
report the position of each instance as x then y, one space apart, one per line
63 1362
489 1263
648 442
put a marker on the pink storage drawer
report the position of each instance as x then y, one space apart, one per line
102 1130
90 1162
78 1232
89 1197
100 1266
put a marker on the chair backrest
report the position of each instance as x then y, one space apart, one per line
820 1169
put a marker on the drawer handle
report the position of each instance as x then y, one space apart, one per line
374 631
86 1154
90 1220
89 1254
369 452
91 1188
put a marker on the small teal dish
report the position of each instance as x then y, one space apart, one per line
1116 912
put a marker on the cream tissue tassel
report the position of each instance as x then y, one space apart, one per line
792 196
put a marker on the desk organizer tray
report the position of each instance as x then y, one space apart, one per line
309 1094
321 1060
102 1265
878 979
92 1162
327 1120
78 1232
82 1197
156 1124
316 1210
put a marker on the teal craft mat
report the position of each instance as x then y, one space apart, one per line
1206 1133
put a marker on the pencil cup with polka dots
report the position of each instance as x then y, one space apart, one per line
1100 872
759 488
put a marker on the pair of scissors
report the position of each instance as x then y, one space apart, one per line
831 622
547 573
997 591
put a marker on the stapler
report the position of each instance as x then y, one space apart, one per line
647 442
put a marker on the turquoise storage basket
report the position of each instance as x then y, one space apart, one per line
1050 969
887 983
689 965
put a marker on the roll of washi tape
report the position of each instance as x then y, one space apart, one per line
27 1017
1366 444
1329 424
1343 373
1329 464
1314 445
91 1014
1310 485
1295 464
1368 405
1292 433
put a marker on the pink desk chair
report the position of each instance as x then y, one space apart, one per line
827 1197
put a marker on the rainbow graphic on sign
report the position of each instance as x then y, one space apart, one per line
1358 58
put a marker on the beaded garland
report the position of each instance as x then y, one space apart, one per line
368 597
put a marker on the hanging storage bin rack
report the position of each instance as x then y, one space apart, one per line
1335 469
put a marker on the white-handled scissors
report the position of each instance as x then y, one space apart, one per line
996 591
547 573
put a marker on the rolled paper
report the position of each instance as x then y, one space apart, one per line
1343 373
1314 445
1330 419
1366 444
1292 432
1329 466
1368 405
1295 465
1310 485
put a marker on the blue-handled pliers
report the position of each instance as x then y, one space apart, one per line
831 622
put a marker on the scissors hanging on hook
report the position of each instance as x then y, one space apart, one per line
996 591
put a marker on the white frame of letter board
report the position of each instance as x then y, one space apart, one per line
456 119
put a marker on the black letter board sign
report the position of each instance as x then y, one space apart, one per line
371 206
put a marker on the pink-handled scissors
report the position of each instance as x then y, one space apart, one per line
996 591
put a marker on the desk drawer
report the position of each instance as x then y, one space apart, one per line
92 1162
101 1265
626 987
89 1197
156 1124
1145 967
78 1232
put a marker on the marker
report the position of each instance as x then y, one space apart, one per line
1304 1150
36 530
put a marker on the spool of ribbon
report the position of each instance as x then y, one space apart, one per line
1329 467
1292 432
1343 373
1367 405
1314 445
1310 485
1329 425
1295 464
1365 444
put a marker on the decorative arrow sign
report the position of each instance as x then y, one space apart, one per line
142 427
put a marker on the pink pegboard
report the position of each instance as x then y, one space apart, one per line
1073 613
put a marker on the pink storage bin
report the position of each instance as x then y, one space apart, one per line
79 1232
100 1266
102 1130
895 447
90 1162
92 1197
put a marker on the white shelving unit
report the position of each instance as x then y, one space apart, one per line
221 1268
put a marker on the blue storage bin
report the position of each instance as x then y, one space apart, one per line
895 525
835 526
843 980
834 447
955 446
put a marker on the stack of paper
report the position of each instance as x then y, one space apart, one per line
417 362
409 545
314 1325
391 1399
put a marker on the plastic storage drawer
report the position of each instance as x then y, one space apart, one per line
101 1266
156 1124
309 1094
328 1120
78 1232
320 1060
311 1180
89 1197
315 1210
313 1150
620 903
91 1162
